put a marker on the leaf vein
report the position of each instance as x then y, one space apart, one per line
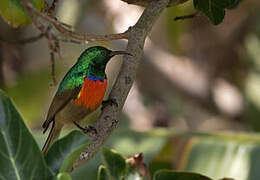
33 171
19 144
11 158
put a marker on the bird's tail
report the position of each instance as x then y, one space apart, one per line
53 135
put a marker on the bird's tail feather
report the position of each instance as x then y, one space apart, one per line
53 135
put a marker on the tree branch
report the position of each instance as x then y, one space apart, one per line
63 28
90 37
109 117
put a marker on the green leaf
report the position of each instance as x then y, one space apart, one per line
217 155
20 156
215 9
114 162
102 173
15 14
229 157
63 176
65 151
171 175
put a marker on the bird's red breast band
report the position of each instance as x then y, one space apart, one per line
91 93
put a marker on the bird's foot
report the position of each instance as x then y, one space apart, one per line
86 130
90 130
110 102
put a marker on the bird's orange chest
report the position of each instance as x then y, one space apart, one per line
91 93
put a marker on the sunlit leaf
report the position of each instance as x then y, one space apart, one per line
65 151
229 158
217 155
20 157
15 14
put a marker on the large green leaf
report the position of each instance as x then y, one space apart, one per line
15 14
171 175
114 162
224 157
65 151
215 9
20 157
217 155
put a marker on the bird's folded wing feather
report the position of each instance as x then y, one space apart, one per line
59 101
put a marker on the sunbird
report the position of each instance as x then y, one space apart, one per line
80 92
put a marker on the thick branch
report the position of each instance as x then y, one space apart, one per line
110 115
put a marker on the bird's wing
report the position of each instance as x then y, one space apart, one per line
68 89
59 101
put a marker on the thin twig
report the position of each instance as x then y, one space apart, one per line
52 58
70 41
47 34
56 46
90 37
51 10
189 16
53 48
38 25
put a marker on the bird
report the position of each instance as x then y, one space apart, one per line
80 92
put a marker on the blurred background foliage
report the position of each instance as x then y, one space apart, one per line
194 78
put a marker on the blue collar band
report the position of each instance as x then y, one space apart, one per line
95 78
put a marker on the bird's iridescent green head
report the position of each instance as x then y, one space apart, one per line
93 60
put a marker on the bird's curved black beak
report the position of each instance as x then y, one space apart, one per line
113 53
